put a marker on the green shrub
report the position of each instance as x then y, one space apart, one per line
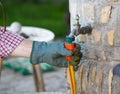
47 15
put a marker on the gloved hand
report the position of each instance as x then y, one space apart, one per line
76 55
51 53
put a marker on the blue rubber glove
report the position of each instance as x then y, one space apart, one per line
52 53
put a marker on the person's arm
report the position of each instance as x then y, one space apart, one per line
14 45
23 49
9 41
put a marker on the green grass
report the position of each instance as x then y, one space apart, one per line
45 15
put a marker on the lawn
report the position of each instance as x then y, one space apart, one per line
46 15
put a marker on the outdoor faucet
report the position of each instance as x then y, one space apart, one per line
78 34
80 30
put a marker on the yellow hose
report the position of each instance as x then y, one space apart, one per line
72 80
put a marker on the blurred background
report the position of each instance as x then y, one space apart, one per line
49 14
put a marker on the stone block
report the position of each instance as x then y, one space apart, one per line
105 14
96 35
88 16
117 39
116 53
110 37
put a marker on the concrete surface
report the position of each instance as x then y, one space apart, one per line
15 83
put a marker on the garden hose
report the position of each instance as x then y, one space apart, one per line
71 73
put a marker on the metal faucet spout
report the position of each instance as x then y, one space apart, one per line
80 30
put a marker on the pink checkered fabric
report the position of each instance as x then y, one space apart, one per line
8 42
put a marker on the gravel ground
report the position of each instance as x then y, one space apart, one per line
15 83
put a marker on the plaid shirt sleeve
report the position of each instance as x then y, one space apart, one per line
8 42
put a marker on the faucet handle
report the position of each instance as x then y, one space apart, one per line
85 30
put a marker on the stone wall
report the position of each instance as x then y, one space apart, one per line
102 47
